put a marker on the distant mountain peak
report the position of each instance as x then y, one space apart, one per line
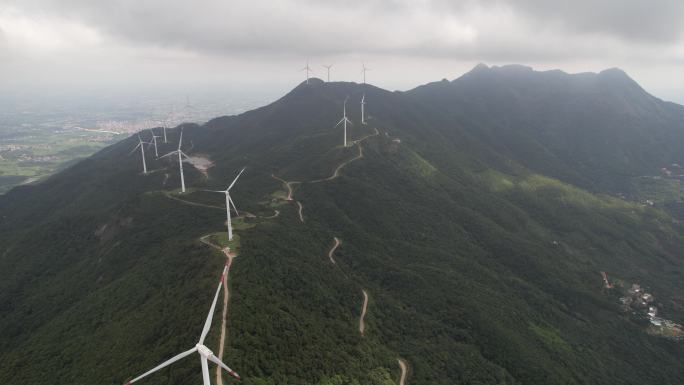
480 67
311 81
483 70
513 68
618 77
614 72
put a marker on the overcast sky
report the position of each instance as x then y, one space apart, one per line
261 45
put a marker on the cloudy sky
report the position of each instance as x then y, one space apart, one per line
259 44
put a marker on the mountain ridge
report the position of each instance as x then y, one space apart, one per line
480 260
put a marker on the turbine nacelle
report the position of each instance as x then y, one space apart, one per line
180 154
204 351
229 203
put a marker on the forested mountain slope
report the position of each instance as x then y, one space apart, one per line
595 130
477 235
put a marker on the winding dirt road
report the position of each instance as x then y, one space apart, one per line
288 186
336 173
226 297
300 208
191 203
404 369
210 244
276 213
332 250
224 317
362 325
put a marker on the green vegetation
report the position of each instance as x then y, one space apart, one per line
483 270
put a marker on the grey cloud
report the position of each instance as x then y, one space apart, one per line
655 20
326 27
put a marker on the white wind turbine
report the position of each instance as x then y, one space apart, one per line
328 67
229 202
345 121
203 351
154 142
363 109
308 70
181 154
142 152
363 70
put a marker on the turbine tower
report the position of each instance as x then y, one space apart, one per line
328 67
181 154
363 109
204 352
307 69
363 70
229 202
142 152
345 121
164 127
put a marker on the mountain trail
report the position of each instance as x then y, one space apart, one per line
226 298
224 315
288 186
362 325
332 250
336 173
203 239
301 216
245 214
404 369
276 213
168 195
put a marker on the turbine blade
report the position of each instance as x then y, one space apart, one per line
164 364
184 154
205 371
133 150
216 191
234 208
218 362
340 122
169 154
180 141
210 316
236 178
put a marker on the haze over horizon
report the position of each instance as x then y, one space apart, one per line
77 46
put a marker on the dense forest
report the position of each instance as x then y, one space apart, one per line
477 214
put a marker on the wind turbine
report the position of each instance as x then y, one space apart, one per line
345 121
363 109
307 69
203 351
229 202
328 67
142 152
363 70
181 154
154 141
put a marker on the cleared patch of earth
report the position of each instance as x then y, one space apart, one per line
201 162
